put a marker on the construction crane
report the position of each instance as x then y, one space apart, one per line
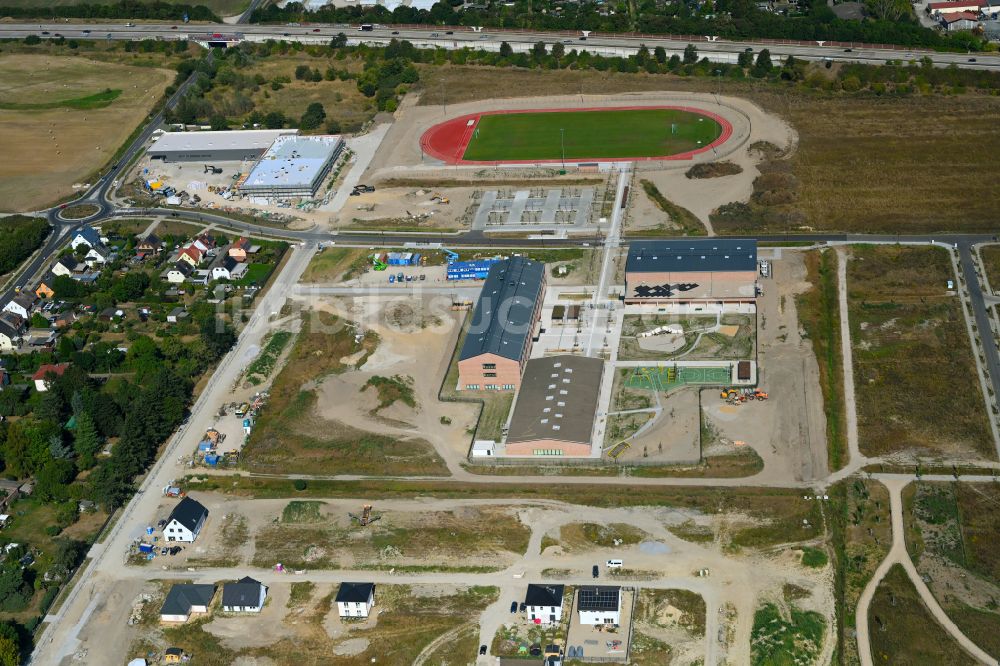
452 257
378 264
366 518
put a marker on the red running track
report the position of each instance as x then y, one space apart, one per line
447 141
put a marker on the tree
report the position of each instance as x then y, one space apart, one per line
660 54
642 55
313 117
558 51
339 41
538 51
52 480
303 72
58 449
763 66
690 54
505 50
38 321
86 440
10 655
274 120
218 122
32 40
745 58
217 335
15 592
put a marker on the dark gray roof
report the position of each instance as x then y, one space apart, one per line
544 595
229 263
188 513
598 598
355 592
244 592
184 268
557 400
183 596
710 254
502 318
89 234
69 262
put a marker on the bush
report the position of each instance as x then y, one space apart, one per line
299 484
814 557
32 40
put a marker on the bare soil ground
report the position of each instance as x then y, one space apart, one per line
49 150
410 209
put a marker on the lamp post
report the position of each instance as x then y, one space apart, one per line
718 82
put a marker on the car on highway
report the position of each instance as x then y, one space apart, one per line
395 32
972 60
315 29
45 32
173 27
450 32
848 50
583 39
57 35
86 32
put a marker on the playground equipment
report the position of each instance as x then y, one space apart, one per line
366 518
378 264
672 329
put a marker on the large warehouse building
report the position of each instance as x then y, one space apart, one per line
691 271
556 406
498 343
294 166
212 147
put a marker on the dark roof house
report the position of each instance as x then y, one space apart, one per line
244 592
598 598
188 513
355 592
183 596
503 317
544 595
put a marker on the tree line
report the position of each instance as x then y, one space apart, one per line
20 236
124 9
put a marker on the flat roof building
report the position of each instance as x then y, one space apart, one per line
498 342
223 146
709 270
556 406
294 166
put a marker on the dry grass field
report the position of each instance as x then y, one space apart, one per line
861 163
991 264
47 150
915 376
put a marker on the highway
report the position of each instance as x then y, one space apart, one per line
439 37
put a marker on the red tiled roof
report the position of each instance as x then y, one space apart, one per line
56 368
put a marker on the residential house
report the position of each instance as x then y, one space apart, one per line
180 272
42 376
64 319
151 244
21 305
355 599
190 254
44 288
205 243
599 604
244 596
185 521
41 337
111 315
229 269
960 21
239 249
9 337
65 267
85 235
183 599
176 315
543 603
98 256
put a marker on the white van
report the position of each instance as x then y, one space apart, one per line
614 564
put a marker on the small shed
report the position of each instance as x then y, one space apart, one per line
484 448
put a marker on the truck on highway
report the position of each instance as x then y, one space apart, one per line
366 27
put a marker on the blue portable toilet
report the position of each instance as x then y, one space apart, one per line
212 459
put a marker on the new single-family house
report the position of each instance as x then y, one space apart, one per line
151 244
21 304
355 599
244 596
183 599
599 604
43 376
190 254
9 337
185 521
180 272
98 256
65 267
85 235
229 269
238 250
543 603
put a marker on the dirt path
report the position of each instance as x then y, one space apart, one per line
847 354
898 555
432 647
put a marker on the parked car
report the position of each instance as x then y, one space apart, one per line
614 564
513 607
164 551
596 571
482 649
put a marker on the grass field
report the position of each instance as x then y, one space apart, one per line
903 631
785 639
915 376
589 134
67 126
859 157
991 264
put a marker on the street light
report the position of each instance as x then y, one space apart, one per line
718 80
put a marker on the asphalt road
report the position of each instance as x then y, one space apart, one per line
437 37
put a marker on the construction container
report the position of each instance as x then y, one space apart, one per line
204 446
470 270
145 548
212 459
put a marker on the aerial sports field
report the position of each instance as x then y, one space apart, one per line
576 135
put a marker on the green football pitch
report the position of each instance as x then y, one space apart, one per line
617 134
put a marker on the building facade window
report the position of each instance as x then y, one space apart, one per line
492 387
508 387
472 387
489 366
489 374
547 452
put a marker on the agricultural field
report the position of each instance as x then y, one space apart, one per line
915 377
951 534
63 119
902 630
589 134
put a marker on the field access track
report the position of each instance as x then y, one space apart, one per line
448 141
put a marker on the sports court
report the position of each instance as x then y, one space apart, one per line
668 378
576 135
